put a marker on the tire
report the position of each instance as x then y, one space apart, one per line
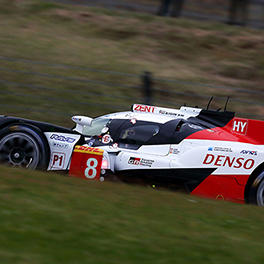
256 193
22 146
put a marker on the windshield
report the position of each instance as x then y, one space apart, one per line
95 129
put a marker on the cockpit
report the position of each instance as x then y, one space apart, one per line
98 126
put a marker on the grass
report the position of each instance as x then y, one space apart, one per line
50 218
185 50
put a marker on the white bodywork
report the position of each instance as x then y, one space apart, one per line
61 148
189 153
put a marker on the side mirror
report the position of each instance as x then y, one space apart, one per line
81 121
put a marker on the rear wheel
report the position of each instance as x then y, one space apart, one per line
256 193
260 194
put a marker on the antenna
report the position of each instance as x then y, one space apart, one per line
209 102
227 100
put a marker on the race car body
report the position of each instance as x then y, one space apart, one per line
208 153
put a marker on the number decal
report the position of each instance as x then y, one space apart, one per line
90 172
86 163
57 160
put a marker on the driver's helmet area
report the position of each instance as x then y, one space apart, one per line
132 135
138 134
125 133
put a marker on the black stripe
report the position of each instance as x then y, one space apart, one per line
189 178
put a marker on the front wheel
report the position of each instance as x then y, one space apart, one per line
22 146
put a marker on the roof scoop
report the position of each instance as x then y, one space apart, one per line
81 121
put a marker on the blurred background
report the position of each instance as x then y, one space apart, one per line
65 57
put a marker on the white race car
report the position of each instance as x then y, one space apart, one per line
208 153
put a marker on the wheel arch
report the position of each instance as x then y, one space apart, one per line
254 175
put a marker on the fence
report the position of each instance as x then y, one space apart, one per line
54 92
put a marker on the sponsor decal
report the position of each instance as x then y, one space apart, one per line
106 139
163 112
249 152
58 160
174 151
240 126
91 150
62 138
220 149
60 145
156 110
140 161
226 161
144 108
134 161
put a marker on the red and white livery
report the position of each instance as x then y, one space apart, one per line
208 153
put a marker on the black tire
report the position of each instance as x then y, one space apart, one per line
256 192
23 146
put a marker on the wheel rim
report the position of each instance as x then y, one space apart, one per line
19 150
260 194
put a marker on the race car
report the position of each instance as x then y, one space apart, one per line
208 153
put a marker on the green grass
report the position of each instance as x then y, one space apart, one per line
50 218
181 49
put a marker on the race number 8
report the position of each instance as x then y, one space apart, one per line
90 172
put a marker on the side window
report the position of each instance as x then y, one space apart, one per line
138 134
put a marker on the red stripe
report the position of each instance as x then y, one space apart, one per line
249 131
225 187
